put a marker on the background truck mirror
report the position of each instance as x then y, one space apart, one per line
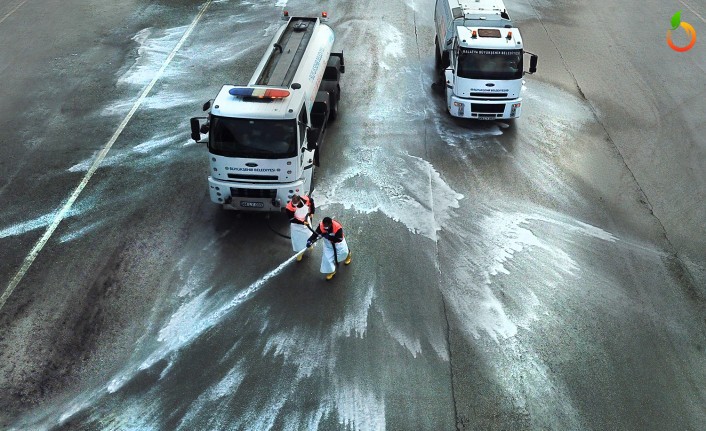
533 64
206 106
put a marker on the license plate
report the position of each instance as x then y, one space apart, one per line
247 204
486 117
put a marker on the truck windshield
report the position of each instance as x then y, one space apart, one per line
256 139
490 64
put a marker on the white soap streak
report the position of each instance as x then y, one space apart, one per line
229 384
44 220
297 420
523 376
552 118
505 241
153 48
27 226
262 419
197 272
392 42
480 310
355 321
190 321
166 101
162 147
136 416
508 235
411 4
395 188
194 280
405 340
215 399
359 408
281 3
78 233
466 138
309 352
75 407
555 108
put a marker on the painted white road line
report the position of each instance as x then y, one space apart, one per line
99 158
692 10
12 11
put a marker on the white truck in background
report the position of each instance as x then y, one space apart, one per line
480 54
264 138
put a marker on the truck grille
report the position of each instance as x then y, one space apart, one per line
253 193
253 177
489 108
489 95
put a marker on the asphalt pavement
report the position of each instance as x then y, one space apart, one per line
547 273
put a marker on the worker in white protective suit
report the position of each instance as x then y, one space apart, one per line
335 246
300 211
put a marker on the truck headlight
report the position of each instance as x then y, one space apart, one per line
513 110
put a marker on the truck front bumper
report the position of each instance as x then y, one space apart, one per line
252 196
485 109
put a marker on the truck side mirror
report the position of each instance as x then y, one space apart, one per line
533 64
206 106
448 42
195 129
312 137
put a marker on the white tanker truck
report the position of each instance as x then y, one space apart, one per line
264 138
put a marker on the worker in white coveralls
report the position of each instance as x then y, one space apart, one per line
300 210
335 246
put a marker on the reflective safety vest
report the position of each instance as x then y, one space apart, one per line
336 227
298 211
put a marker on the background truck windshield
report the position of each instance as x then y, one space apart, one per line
490 64
256 139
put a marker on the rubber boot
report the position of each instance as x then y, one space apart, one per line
348 258
330 275
300 256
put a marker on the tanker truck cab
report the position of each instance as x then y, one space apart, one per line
264 138
260 140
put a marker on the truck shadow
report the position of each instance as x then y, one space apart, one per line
477 138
